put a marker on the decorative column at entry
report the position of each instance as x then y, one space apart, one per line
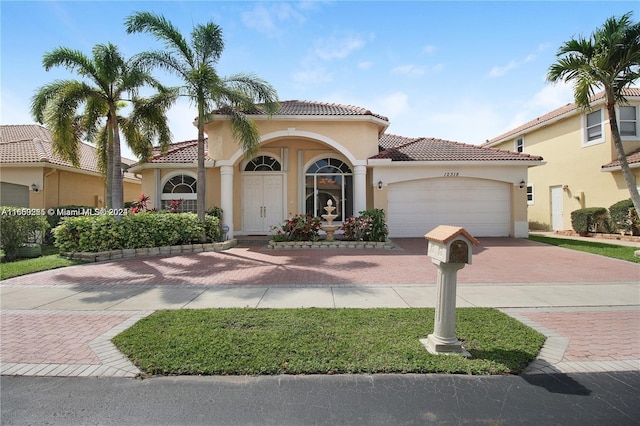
359 189
226 197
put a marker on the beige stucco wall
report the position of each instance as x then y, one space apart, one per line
301 142
570 164
360 138
64 187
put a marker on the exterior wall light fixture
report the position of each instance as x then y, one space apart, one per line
35 188
522 184
379 184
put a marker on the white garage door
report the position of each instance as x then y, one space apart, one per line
482 207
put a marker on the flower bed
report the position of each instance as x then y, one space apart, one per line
335 244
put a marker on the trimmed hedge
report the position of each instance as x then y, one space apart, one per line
624 217
591 219
54 219
20 226
103 233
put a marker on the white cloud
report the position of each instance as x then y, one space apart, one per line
269 19
500 71
393 105
312 76
550 97
365 65
409 70
181 117
429 49
335 47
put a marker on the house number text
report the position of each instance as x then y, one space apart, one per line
451 174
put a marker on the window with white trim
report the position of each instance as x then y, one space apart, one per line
530 199
263 163
180 187
593 131
519 145
329 179
628 118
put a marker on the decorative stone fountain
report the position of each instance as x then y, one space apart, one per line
329 227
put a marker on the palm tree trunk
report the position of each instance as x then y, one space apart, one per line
117 188
109 176
202 176
622 157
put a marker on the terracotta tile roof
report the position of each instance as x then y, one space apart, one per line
565 110
296 107
387 140
632 158
23 132
179 152
431 149
31 143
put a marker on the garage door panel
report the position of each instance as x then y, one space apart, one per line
480 206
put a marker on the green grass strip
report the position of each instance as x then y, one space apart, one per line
322 341
29 266
602 249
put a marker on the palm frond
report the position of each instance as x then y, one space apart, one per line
162 29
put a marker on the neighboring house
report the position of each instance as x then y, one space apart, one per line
581 167
32 175
312 152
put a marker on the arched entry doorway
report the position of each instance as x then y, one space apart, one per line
262 194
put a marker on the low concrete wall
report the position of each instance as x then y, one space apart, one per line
103 256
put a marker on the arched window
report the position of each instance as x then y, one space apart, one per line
180 187
329 179
263 163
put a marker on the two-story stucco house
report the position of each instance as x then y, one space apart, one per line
33 175
581 167
312 152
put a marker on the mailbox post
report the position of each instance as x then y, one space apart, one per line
450 250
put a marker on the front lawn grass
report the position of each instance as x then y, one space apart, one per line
49 260
603 249
323 341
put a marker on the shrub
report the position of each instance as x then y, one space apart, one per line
369 226
147 229
20 226
357 228
212 228
215 212
538 226
59 213
591 219
379 230
300 227
624 217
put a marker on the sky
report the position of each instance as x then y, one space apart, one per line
461 71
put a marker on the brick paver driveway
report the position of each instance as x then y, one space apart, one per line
496 260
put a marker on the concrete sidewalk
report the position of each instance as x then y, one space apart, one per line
151 298
66 330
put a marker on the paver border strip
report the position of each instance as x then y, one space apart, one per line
549 359
112 362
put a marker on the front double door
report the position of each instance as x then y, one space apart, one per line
262 202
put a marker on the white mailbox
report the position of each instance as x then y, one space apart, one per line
450 244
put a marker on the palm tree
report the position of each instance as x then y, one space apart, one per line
194 62
74 110
608 60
